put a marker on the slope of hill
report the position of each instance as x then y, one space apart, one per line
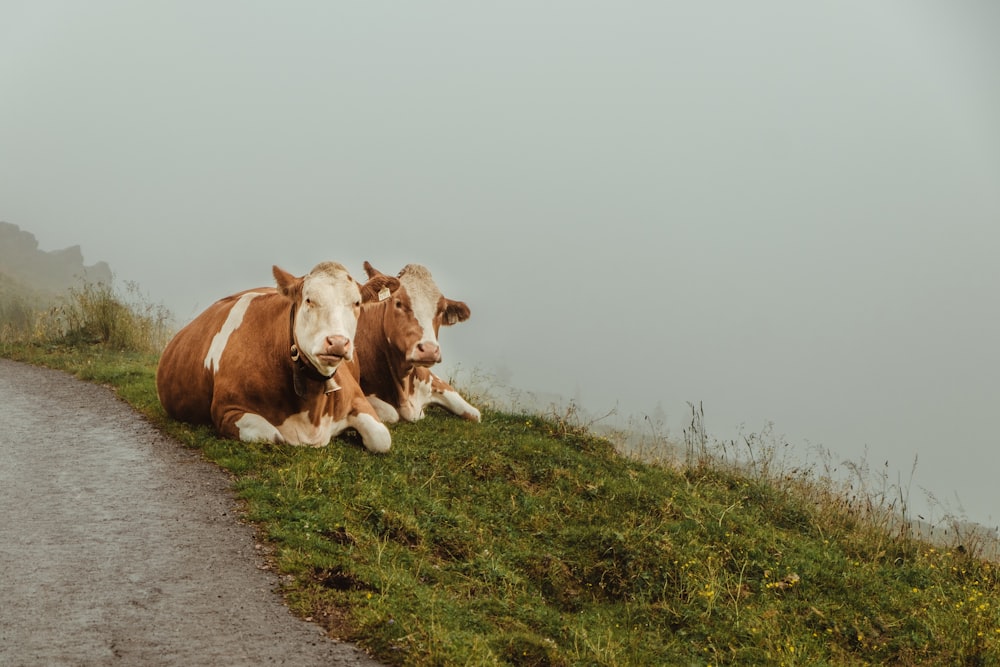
525 541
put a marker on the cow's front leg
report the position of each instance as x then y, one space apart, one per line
248 427
444 394
254 428
385 411
411 408
363 419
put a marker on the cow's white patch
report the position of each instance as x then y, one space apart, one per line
424 394
298 429
424 313
232 323
412 408
254 428
374 433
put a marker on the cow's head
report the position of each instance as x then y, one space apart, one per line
326 305
417 311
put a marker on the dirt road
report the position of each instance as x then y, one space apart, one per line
118 546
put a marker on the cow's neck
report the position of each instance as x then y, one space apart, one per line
303 373
401 371
302 370
384 369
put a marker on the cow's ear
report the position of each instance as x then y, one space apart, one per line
371 270
455 312
288 284
379 288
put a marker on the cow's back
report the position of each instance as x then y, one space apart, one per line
185 375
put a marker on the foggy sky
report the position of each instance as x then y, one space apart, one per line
787 210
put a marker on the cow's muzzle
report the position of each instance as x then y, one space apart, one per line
338 348
425 354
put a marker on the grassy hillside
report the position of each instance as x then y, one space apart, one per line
528 541
524 541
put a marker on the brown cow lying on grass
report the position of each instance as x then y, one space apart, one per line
268 364
397 344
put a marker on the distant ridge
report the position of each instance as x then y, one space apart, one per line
51 272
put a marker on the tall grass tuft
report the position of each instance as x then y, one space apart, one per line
17 318
92 314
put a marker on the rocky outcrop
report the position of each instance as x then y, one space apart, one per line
54 271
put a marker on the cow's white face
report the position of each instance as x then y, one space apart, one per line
327 304
416 314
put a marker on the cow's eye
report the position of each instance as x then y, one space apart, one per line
399 304
357 304
309 301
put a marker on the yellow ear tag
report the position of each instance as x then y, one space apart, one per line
384 294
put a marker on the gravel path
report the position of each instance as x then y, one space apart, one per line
119 546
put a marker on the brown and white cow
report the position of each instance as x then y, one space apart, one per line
269 364
397 343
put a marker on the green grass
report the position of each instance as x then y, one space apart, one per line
522 541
